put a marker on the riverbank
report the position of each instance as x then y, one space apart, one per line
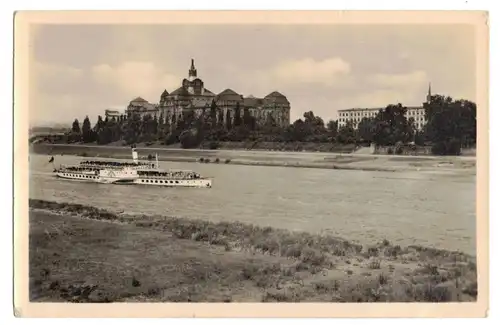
84 254
321 160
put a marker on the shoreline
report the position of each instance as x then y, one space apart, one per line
248 263
318 160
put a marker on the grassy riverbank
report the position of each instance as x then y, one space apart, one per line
84 254
364 162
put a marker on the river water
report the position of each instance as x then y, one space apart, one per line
430 209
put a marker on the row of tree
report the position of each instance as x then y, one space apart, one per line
451 125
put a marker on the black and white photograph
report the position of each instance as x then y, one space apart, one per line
253 162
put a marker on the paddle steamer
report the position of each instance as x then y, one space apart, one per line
141 173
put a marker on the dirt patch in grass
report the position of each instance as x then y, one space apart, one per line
84 254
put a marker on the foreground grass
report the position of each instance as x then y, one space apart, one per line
75 256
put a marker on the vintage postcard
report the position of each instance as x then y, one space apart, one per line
285 164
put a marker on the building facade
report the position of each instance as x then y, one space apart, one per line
355 115
193 96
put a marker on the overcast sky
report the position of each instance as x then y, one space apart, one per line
82 70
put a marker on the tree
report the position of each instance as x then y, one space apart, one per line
174 120
237 115
451 124
76 134
315 127
87 134
220 119
160 134
332 129
99 125
154 127
366 129
133 128
106 131
191 138
228 120
213 115
346 133
76 127
296 132
247 118
391 126
146 128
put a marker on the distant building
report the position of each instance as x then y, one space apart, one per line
142 107
355 115
112 113
193 96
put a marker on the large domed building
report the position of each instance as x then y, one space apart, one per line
192 95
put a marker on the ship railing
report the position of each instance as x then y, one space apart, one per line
172 175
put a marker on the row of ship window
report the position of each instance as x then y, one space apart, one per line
158 181
81 176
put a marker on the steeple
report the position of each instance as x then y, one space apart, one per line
192 70
429 94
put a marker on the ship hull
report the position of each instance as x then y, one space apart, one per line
199 183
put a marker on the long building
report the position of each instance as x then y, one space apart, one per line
355 115
193 96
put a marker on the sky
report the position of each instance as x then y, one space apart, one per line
79 70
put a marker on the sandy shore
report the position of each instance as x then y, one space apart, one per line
84 254
367 162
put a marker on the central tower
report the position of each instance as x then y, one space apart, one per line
192 71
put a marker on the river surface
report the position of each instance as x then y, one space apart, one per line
430 209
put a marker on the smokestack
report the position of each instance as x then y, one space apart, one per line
135 157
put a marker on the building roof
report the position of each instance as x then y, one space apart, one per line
208 92
181 91
252 101
144 106
361 109
276 98
275 94
164 93
373 108
229 94
139 99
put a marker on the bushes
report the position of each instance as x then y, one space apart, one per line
447 147
190 140
399 148
171 139
213 145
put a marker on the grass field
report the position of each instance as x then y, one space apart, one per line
84 254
